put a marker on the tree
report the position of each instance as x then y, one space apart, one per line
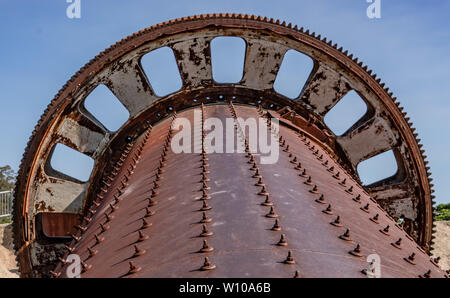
7 178
443 212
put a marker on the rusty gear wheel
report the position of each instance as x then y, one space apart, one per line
45 197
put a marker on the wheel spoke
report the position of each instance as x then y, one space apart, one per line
324 89
194 61
367 140
262 62
80 133
129 84
60 195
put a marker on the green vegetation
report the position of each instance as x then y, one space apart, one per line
443 212
7 178
5 220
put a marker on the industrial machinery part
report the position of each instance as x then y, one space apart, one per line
147 211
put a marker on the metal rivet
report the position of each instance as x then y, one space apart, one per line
113 207
271 213
356 252
267 202
257 174
436 260
92 252
260 182
205 206
365 208
205 218
276 226
85 267
69 249
206 247
410 259
303 173
142 236
82 229
75 238
151 202
207 265
346 236
145 224
296 274
282 241
308 181
289 259
328 210
299 166
108 217
133 268
314 189
138 251
205 232
148 212
357 198
263 191
385 230
98 239
321 199
337 222
397 244
375 218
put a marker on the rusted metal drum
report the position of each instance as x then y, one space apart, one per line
218 208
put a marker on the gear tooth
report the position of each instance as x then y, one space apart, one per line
365 67
324 40
289 25
283 24
277 22
360 63
374 76
335 46
340 49
378 80
382 85
319 37
355 60
307 31
390 93
272 20
369 72
295 27
330 43
345 53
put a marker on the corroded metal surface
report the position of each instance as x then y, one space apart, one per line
207 205
407 194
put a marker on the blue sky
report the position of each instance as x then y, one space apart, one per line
408 48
